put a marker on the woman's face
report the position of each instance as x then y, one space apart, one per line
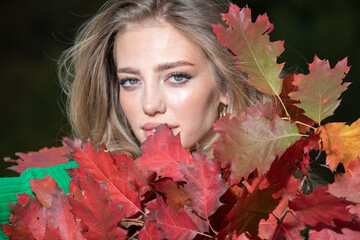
165 78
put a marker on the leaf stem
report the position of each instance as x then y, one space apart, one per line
283 105
137 232
306 125
133 220
205 235
212 228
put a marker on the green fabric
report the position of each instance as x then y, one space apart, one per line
10 187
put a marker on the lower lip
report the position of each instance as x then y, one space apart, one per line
150 132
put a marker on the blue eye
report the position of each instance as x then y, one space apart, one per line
128 82
179 77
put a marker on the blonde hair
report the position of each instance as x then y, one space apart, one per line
88 75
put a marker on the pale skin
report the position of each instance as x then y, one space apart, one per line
165 78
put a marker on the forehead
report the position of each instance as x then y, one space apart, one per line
155 40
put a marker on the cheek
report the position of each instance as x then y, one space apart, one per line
128 105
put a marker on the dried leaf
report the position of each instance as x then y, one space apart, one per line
174 193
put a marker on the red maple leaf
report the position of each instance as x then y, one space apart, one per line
36 219
149 232
140 179
175 225
298 154
282 224
27 218
320 207
43 188
60 217
52 233
255 54
44 158
249 210
162 153
204 184
98 213
101 167
251 142
18 232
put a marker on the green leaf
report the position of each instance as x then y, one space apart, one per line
320 89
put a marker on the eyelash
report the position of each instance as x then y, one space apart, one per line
183 75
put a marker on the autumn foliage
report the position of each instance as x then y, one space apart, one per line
278 172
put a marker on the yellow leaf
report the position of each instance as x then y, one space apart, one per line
341 143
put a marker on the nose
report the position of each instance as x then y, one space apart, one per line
153 101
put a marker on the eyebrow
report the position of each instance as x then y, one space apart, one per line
159 68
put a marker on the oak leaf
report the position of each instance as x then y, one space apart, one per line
204 184
318 91
101 167
341 143
282 224
255 54
52 233
296 114
18 232
347 234
140 179
162 153
59 216
98 213
175 225
320 207
28 218
248 212
149 232
44 158
251 142
347 185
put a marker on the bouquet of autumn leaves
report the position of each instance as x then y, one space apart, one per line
277 172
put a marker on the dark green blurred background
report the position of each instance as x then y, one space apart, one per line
34 33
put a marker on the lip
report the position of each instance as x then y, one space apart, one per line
150 127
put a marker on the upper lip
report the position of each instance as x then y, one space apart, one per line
153 125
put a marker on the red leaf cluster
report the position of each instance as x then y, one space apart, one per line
276 173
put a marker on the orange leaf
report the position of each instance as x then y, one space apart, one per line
341 143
